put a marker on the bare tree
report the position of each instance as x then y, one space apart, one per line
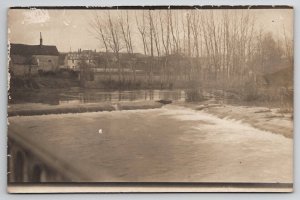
288 47
115 43
99 30
142 28
165 39
157 41
127 37
196 35
151 37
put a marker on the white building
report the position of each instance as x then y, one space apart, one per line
73 59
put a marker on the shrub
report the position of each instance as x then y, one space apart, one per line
194 95
250 92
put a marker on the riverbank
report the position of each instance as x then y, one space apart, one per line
263 118
28 109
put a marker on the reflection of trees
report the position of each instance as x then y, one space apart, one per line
86 72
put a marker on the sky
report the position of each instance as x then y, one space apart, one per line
70 29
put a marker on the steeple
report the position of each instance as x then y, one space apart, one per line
41 39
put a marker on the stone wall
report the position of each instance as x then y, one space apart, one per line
24 166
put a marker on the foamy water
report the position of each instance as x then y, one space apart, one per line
167 144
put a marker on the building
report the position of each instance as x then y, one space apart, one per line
29 59
73 59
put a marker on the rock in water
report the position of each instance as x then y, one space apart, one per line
164 101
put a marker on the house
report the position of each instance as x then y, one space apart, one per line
73 59
29 59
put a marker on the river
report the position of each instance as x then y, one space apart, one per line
92 96
170 144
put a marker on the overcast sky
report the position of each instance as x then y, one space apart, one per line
70 28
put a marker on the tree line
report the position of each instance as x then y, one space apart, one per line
191 46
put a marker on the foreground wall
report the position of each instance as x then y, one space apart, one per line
25 166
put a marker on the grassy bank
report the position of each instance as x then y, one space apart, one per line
270 97
40 88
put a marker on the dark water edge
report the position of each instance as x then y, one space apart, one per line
79 95
99 107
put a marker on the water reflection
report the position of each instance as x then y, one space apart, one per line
115 96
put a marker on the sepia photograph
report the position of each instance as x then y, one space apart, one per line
150 99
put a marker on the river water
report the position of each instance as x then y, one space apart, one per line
77 95
93 96
170 144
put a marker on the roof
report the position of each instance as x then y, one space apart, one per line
23 60
24 49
